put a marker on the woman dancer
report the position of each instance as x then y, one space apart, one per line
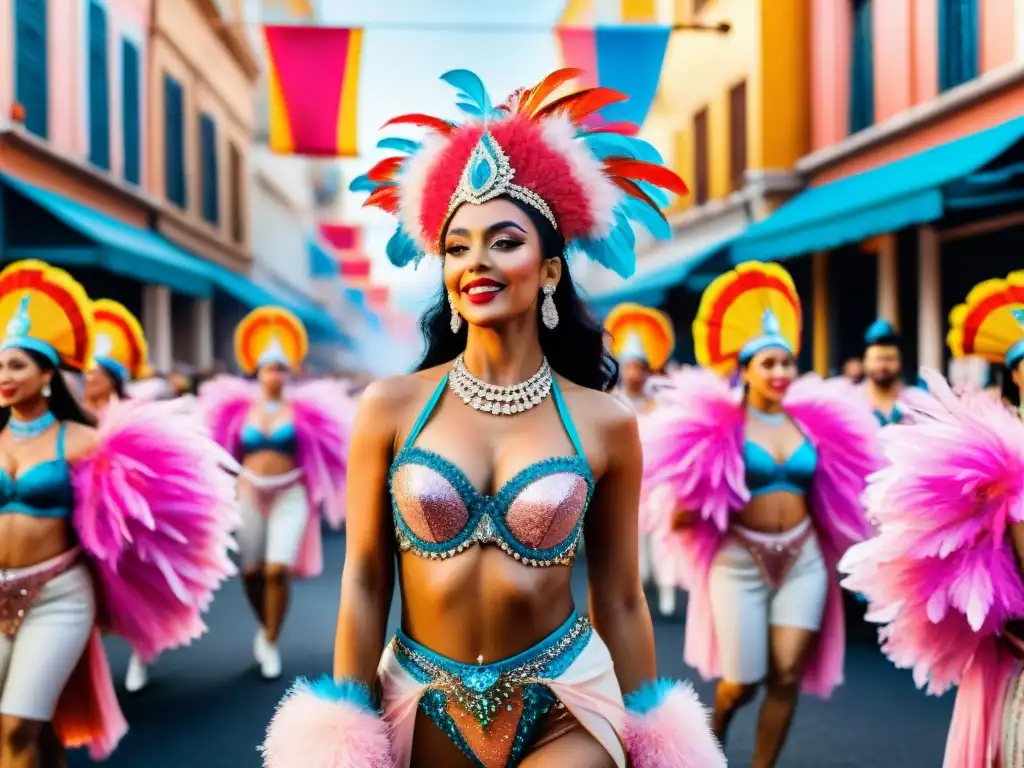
755 494
292 444
642 342
944 575
108 526
121 355
482 470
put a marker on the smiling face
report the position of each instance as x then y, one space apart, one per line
272 378
21 378
494 264
99 385
769 374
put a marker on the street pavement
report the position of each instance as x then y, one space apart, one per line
206 706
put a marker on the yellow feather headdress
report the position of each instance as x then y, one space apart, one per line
641 333
270 335
752 307
44 309
120 345
990 323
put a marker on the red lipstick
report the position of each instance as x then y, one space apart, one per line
779 385
482 290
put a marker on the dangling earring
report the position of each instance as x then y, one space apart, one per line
46 391
456 322
548 312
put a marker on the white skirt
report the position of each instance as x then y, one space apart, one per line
275 512
1013 724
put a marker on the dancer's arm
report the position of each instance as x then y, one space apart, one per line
1017 534
368 579
618 607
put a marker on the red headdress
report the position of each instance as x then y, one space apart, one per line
589 180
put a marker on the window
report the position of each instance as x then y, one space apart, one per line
738 134
235 196
958 42
99 88
862 69
131 115
698 5
174 142
700 157
31 86
208 169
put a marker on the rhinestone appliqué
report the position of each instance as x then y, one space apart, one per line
501 401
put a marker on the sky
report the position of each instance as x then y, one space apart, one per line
508 44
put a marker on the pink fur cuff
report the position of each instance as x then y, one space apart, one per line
667 727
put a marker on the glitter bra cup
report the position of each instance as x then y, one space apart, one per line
766 475
536 516
43 490
279 440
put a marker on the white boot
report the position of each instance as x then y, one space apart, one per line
270 663
644 558
666 601
138 675
259 645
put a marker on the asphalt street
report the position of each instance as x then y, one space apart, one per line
206 706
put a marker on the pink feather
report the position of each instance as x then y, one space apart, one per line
941 575
324 412
226 401
312 732
674 734
154 509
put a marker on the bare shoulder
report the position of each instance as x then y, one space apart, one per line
612 417
79 440
385 403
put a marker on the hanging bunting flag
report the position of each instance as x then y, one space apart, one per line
625 58
313 82
346 242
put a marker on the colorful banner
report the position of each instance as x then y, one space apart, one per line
313 83
626 58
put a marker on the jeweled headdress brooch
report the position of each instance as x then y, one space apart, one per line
270 335
589 180
990 323
120 341
750 308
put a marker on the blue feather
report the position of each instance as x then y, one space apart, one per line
471 90
470 109
402 249
363 184
615 145
657 194
401 145
653 222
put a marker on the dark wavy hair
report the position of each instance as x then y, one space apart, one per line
63 404
575 348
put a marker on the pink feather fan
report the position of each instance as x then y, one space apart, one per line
154 511
941 575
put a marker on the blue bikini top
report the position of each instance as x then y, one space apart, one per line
42 490
765 475
894 417
536 516
279 440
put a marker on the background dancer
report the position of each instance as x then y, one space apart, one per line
642 342
756 492
110 525
292 442
120 357
482 470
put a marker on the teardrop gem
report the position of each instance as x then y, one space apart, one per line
482 172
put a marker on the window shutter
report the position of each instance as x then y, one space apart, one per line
174 143
958 42
208 163
700 157
235 193
862 69
31 85
99 88
131 105
738 134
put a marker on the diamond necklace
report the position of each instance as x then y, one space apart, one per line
501 401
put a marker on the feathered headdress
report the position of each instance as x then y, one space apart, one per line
990 323
44 309
641 333
120 345
753 307
270 335
590 182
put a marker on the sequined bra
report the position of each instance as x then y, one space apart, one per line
279 440
42 490
536 516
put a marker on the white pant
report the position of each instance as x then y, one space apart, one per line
1013 724
274 537
37 662
743 606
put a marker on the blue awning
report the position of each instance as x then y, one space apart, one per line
905 193
140 254
651 288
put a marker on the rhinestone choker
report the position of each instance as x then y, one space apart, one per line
501 401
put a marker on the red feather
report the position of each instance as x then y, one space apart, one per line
640 170
583 103
385 198
435 124
386 169
633 190
621 127
546 87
